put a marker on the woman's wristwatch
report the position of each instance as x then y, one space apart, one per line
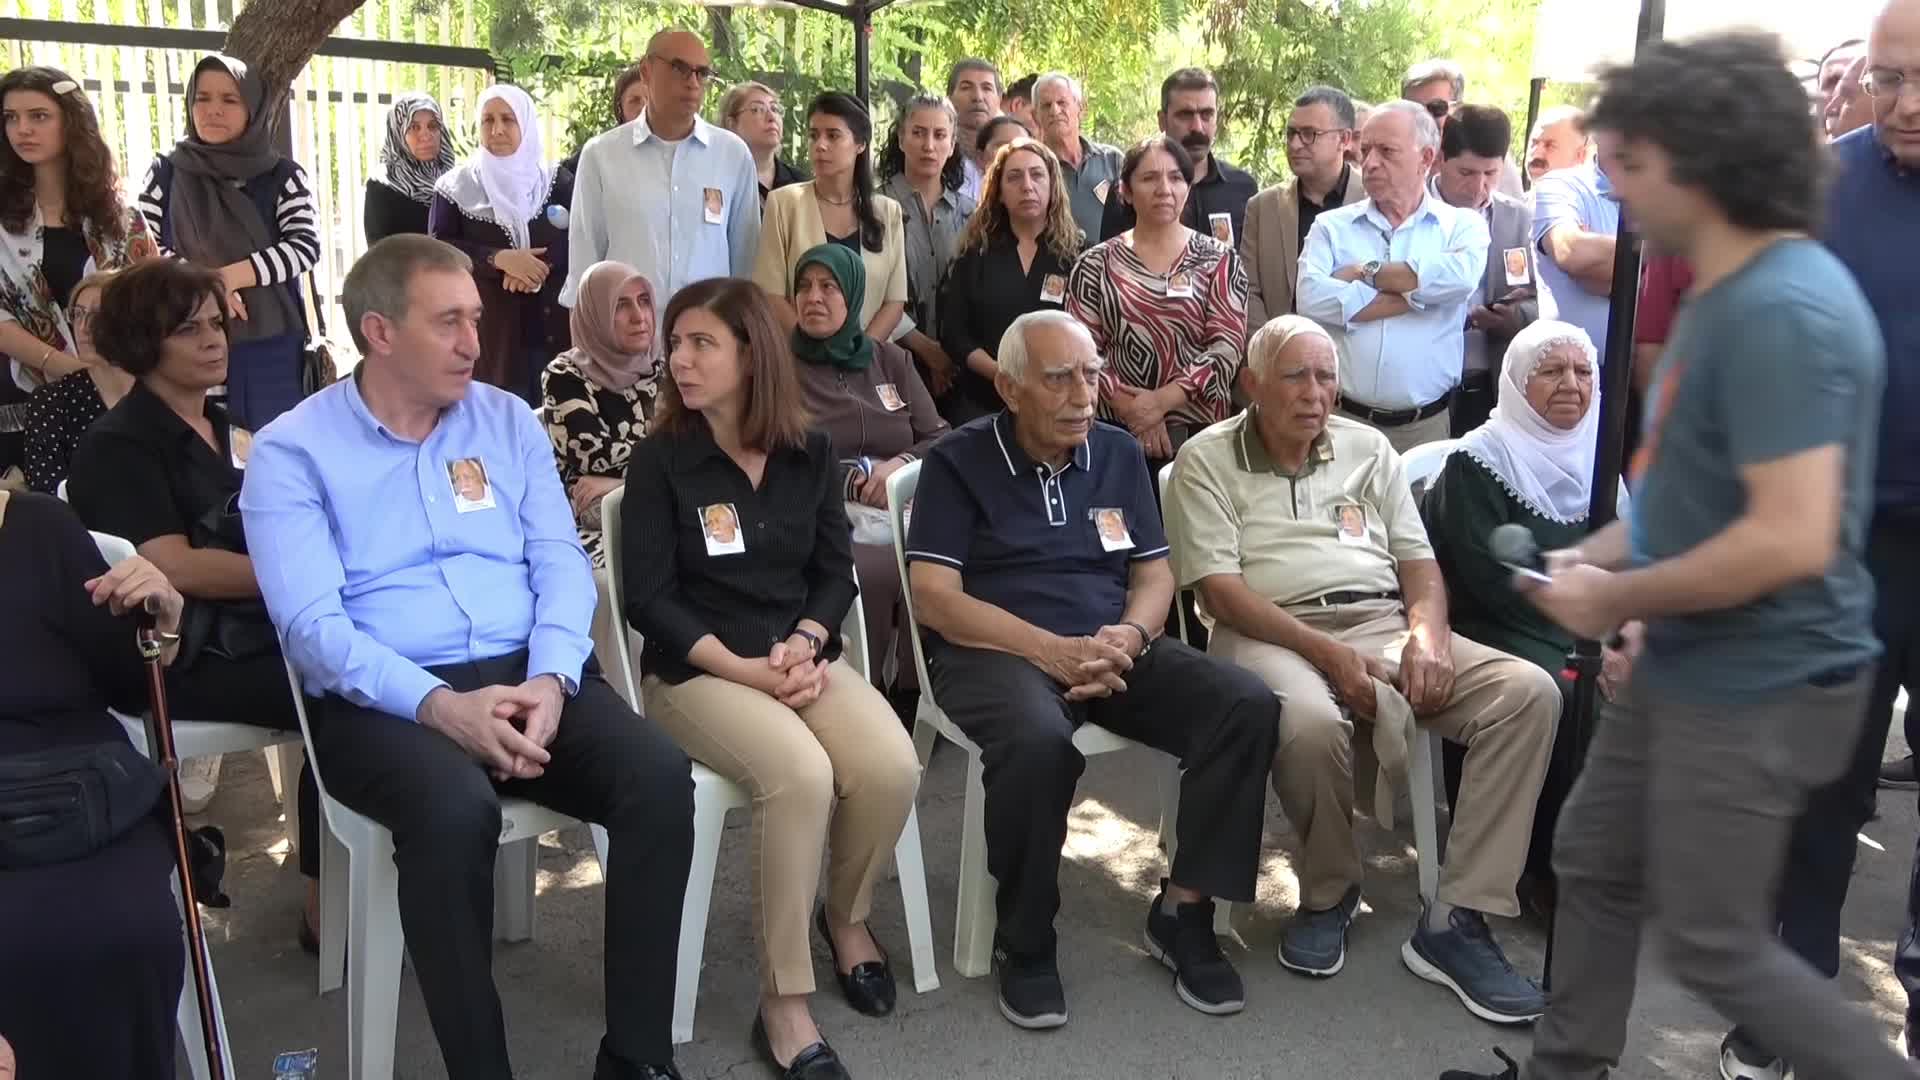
812 639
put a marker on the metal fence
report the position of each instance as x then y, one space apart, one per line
337 113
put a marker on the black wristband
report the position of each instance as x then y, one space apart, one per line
812 639
1146 639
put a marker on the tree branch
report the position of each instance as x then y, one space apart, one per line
278 37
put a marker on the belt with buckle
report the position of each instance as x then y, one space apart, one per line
1335 599
1396 417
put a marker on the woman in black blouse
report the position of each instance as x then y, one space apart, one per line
1014 258
162 470
739 571
62 411
90 961
415 155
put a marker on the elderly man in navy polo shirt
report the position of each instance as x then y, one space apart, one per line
1039 563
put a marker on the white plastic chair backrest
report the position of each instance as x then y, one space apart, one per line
62 490
1622 506
1423 462
900 488
306 735
112 548
853 632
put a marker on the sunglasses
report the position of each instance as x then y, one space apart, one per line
1438 109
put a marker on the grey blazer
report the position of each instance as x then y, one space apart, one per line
1511 226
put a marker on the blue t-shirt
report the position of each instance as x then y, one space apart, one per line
1780 357
1578 197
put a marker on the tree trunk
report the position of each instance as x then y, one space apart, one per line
278 37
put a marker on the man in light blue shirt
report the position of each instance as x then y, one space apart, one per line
1574 221
419 560
669 194
1392 279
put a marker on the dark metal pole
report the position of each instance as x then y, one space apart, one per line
1616 377
1534 89
862 17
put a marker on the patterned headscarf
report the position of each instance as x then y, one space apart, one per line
399 169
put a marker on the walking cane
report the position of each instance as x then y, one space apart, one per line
160 747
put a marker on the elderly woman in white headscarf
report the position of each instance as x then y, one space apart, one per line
416 154
1530 464
507 210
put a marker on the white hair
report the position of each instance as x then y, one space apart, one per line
1426 133
1073 84
1269 341
1012 357
1428 71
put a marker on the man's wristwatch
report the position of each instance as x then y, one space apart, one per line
1368 270
568 687
1146 639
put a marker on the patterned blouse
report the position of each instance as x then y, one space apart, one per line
593 431
1187 326
57 415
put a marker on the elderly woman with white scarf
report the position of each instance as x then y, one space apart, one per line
507 210
1530 464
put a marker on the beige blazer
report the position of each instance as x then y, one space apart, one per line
1270 248
790 225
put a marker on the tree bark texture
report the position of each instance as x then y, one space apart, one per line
278 37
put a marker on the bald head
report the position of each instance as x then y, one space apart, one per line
1893 66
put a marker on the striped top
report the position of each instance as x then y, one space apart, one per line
1151 337
299 245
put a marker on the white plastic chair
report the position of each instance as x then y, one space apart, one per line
714 796
360 905
193 738
974 914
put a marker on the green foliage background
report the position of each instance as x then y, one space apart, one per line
1264 52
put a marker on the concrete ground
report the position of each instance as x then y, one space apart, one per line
1374 1020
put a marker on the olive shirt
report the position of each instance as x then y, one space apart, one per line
1231 510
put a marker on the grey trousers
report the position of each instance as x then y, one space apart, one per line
1679 825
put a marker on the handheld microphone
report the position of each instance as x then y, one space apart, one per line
1514 546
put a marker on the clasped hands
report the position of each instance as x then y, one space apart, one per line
1145 414
523 270
505 728
1091 667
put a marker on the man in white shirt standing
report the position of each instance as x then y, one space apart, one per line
1391 278
669 194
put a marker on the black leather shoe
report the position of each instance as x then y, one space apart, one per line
816 1062
869 987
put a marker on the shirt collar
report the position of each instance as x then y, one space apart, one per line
1017 458
1336 196
357 405
155 416
642 131
1253 449
901 190
1429 208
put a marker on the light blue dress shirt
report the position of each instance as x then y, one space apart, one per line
1408 360
1579 197
666 235
374 568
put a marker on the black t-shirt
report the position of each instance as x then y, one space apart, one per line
64 260
1309 210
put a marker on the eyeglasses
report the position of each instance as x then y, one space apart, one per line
1885 82
1308 136
1438 108
701 75
763 110
81 316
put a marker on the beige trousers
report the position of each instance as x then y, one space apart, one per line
845 759
1503 709
609 634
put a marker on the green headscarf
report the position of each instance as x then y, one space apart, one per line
849 347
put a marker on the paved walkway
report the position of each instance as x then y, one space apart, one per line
1374 1020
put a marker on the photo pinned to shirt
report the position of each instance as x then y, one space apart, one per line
239 446
1515 259
471 489
1111 523
1180 285
1100 191
1350 519
1222 226
720 526
1053 289
889 396
715 205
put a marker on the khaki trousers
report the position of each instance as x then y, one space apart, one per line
610 634
845 759
1503 709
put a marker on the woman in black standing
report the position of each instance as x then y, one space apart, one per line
416 154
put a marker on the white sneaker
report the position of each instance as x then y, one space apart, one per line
198 779
1734 1067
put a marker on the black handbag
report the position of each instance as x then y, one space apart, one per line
68 802
232 629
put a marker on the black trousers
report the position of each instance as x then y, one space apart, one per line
252 692
1473 401
608 766
1221 721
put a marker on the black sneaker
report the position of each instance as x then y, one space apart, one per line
1316 943
1899 774
1185 942
1030 992
1511 1072
1465 959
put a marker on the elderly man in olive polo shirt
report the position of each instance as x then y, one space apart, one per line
1313 570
